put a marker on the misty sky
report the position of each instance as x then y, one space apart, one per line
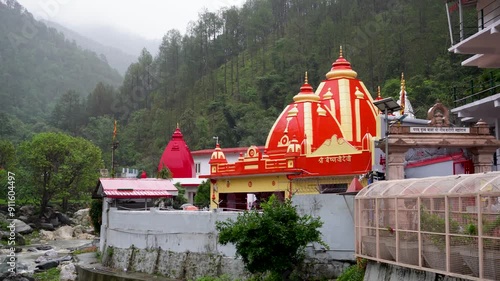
149 18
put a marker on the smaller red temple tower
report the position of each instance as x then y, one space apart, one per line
177 157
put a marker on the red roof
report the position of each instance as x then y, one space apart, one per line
323 133
136 188
177 157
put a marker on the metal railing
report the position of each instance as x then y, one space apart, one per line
472 91
464 21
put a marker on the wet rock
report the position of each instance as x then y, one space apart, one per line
32 250
41 259
68 272
47 226
65 258
51 254
65 220
44 247
47 265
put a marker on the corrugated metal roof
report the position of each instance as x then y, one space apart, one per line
136 188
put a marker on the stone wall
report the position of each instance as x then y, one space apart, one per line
183 244
382 271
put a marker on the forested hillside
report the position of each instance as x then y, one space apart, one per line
234 70
37 66
115 57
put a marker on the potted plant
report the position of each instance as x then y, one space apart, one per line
434 245
408 248
491 249
369 243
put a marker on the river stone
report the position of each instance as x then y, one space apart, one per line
44 247
47 235
81 217
48 265
51 254
64 219
47 226
41 259
68 272
64 232
22 227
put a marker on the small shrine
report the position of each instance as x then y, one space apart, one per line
318 144
439 133
177 157
179 161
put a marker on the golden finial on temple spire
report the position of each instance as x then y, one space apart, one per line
341 51
378 92
177 125
402 81
305 80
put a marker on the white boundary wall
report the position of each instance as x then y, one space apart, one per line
194 231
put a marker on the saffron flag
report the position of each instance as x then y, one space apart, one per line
114 131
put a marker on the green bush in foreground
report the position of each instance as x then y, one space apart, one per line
272 241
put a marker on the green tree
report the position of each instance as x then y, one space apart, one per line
69 113
202 197
7 154
100 101
180 198
57 165
273 240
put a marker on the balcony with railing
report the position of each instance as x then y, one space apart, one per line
473 27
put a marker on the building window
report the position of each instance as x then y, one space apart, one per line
197 167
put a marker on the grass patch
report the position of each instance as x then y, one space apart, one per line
49 275
92 249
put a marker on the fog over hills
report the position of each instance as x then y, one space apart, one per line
127 42
116 57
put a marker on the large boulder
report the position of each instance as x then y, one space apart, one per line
22 227
47 235
68 272
65 220
82 217
64 232
28 210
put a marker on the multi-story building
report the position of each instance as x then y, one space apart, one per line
474 28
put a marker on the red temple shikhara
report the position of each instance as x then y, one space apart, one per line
177 157
320 143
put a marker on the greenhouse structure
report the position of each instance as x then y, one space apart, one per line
448 225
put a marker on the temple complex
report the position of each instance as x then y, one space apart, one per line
320 143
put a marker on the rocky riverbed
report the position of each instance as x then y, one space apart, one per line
51 241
